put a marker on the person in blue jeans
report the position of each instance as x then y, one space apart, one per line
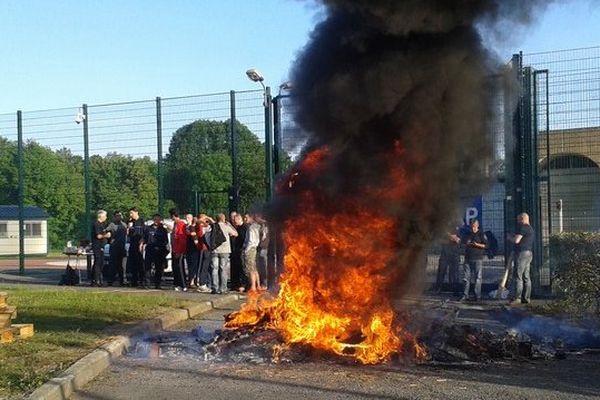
220 257
523 241
475 245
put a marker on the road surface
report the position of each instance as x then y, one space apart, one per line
189 377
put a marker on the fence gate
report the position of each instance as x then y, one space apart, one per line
556 157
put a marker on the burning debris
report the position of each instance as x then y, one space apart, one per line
445 339
396 96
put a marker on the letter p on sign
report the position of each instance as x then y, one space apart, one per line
471 213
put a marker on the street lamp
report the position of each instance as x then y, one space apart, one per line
255 76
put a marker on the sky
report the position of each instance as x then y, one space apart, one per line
64 53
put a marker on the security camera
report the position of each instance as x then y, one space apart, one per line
79 118
286 85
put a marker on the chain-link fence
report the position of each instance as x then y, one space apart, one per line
205 153
201 153
546 140
565 101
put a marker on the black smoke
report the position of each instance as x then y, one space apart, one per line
376 73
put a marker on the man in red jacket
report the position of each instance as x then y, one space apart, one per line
179 246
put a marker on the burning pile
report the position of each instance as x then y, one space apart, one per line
333 291
395 96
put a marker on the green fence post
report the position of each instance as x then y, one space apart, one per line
233 195
21 194
159 169
86 171
268 144
277 149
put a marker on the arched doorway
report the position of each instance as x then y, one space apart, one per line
574 179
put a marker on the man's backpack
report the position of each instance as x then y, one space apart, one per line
70 277
217 237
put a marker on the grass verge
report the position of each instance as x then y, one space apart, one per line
68 324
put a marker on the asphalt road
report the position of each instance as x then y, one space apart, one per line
190 377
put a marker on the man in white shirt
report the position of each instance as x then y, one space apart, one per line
250 252
262 253
220 256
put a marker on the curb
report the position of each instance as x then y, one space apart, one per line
90 366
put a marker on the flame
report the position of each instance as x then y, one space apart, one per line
333 291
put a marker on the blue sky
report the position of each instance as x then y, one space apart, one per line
63 53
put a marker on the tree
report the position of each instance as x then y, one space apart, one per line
120 182
54 182
8 172
199 159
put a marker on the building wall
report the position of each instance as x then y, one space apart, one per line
585 141
33 245
579 190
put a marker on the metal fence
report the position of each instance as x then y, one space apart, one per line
198 153
557 127
546 138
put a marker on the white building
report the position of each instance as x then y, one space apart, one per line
36 230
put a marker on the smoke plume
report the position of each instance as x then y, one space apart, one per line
397 97
400 89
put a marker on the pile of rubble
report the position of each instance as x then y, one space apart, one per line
446 339
454 343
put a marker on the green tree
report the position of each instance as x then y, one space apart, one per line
8 172
54 182
120 182
199 159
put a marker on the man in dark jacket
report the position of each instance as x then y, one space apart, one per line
237 271
476 243
118 231
449 260
155 243
135 259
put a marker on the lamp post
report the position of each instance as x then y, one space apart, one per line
256 76
277 128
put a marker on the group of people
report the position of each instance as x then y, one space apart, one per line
208 255
475 244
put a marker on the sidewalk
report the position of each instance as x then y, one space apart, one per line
37 271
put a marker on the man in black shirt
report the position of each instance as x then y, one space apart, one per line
99 238
476 243
523 241
155 242
237 244
118 232
449 260
135 260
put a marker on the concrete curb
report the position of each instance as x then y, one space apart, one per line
91 365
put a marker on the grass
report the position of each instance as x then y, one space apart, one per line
68 324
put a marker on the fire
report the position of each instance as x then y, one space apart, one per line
334 289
